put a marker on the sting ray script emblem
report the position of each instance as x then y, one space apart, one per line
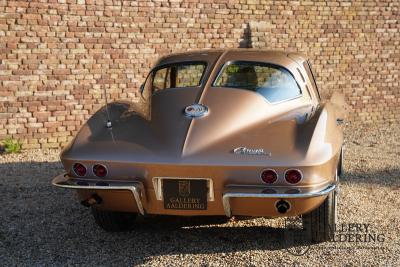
251 151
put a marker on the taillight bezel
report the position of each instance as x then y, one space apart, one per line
288 170
274 171
102 165
74 169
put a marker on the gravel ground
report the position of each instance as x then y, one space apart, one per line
42 226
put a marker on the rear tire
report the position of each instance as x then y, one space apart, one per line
113 221
340 170
320 223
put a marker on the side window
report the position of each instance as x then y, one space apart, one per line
310 74
178 75
274 83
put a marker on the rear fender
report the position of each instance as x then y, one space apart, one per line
327 137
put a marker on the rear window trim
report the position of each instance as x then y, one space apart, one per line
192 62
307 66
227 63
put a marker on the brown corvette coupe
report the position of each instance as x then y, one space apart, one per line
224 132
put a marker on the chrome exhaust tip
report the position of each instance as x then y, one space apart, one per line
282 206
94 199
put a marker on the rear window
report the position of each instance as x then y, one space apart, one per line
274 83
178 75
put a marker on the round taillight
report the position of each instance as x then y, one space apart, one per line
293 176
269 176
99 170
79 169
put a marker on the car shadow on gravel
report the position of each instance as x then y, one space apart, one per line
386 177
42 225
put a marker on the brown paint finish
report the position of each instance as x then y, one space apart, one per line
123 201
261 207
300 133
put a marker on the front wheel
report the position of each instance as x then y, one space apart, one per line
113 221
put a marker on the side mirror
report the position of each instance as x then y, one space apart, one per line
143 93
341 107
339 121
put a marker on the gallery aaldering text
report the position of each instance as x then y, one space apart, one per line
356 232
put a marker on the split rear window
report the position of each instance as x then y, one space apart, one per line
178 75
273 82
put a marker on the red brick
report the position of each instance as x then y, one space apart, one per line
55 56
61 71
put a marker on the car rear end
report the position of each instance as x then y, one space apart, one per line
187 190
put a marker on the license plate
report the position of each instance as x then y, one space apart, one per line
185 194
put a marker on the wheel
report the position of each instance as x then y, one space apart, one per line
113 221
320 223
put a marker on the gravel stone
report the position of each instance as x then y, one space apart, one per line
41 225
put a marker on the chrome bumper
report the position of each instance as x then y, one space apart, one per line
235 191
230 191
135 187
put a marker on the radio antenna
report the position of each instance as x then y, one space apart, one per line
108 123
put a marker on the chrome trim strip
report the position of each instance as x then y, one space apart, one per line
157 184
135 187
226 196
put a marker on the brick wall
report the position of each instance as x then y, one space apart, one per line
57 56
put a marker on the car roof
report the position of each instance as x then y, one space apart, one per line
211 55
